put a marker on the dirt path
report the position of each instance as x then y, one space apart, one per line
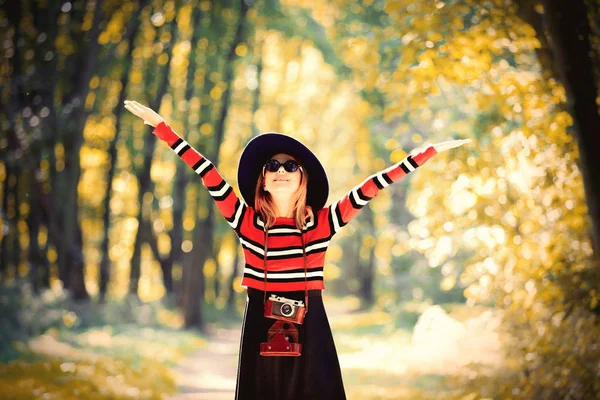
210 373
384 365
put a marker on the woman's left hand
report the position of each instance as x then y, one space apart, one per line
149 116
450 144
443 146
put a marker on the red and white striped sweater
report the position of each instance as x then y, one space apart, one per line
285 262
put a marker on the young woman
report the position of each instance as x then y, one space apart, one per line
284 229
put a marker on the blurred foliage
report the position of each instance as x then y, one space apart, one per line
430 355
69 378
505 219
516 201
57 348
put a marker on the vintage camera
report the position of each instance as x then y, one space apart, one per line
285 309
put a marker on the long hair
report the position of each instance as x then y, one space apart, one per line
263 202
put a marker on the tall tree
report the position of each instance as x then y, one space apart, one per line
570 33
366 271
203 233
28 111
564 32
86 66
45 79
145 183
182 173
235 270
130 35
10 151
258 62
4 253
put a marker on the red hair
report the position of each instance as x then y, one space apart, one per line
263 202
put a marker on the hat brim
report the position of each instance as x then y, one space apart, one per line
262 147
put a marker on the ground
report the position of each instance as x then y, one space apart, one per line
378 359
210 373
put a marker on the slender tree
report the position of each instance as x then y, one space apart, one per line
366 271
5 226
145 183
131 33
85 66
235 270
204 231
182 175
15 149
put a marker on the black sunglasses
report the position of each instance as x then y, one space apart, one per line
274 165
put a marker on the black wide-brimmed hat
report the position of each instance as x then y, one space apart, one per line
264 146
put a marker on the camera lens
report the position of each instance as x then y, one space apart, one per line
287 310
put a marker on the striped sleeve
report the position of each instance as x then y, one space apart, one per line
223 194
342 211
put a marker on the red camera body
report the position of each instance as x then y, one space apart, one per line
279 343
284 309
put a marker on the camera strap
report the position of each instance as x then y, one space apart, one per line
305 267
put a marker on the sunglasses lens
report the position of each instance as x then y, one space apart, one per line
274 165
290 166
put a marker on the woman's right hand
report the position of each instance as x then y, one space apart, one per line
149 116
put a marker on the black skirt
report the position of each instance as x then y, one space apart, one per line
314 375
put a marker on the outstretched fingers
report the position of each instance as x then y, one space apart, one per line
131 106
137 109
450 144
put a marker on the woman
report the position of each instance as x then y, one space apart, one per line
284 230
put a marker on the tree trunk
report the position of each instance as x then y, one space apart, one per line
203 245
176 234
194 284
44 80
526 9
72 231
16 244
239 253
51 210
234 272
13 14
570 36
76 261
351 262
217 275
256 97
11 246
4 228
8 224
228 81
130 35
182 173
33 224
367 270
145 183
399 216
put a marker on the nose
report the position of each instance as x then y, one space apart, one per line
281 170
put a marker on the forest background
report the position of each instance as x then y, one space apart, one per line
106 236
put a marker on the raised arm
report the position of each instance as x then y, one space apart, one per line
223 194
342 211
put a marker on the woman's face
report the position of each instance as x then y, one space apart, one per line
282 181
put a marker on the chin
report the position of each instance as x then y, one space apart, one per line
286 191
